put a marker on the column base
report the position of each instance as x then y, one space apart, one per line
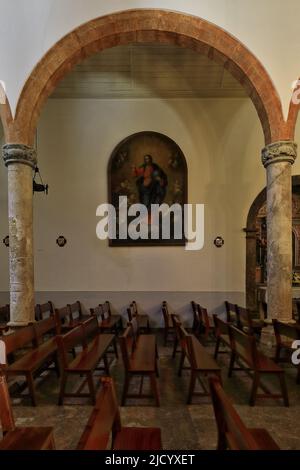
16 325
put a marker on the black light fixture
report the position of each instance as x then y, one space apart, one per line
39 187
6 241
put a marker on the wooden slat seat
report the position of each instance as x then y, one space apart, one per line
104 427
140 356
28 438
200 361
91 354
34 359
87 360
232 432
244 348
203 360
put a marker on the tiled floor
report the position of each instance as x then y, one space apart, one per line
183 427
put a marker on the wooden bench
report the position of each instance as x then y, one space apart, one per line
109 323
247 323
86 361
31 362
200 361
231 313
43 311
244 348
104 427
143 319
196 322
232 432
285 335
17 438
69 317
140 356
207 322
169 328
222 336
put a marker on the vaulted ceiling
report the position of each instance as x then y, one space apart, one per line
148 71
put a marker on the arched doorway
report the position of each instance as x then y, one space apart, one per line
256 243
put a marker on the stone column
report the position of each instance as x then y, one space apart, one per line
278 158
20 161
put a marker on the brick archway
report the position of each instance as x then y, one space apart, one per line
5 111
136 26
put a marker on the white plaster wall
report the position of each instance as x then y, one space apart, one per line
269 28
221 140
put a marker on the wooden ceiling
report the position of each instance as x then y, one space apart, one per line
148 71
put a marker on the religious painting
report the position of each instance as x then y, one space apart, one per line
148 169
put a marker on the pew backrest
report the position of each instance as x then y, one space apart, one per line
244 345
285 329
20 339
76 311
104 421
70 341
44 327
127 344
90 328
43 311
229 423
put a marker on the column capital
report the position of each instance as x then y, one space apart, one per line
19 153
282 151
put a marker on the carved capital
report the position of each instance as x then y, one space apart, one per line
283 151
18 153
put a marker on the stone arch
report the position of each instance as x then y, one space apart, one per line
251 244
148 25
5 111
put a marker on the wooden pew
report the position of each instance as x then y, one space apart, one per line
143 319
139 354
16 438
31 362
207 323
196 322
285 335
247 323
86 361
108 323
69 317
200 361
231 314
169 328
222 336
244 348
44 311
232 432
104 427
